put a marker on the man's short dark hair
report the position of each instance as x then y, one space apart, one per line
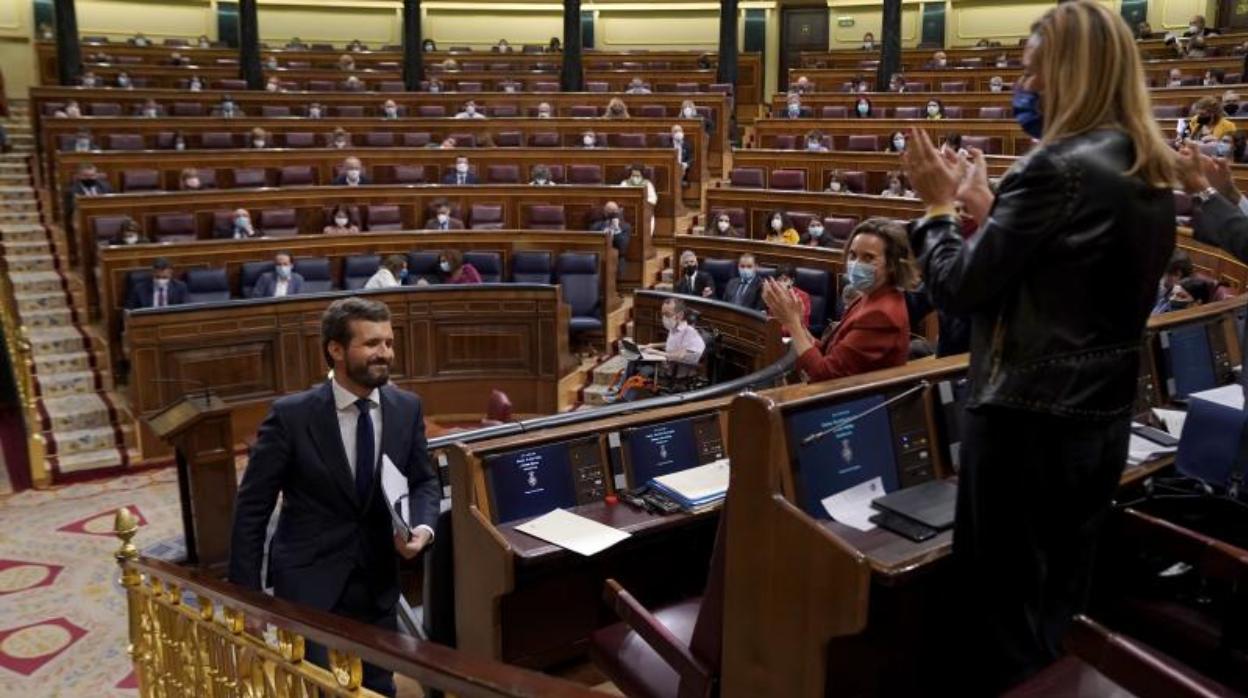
787 271
336 321
1180 264
160 264
678 306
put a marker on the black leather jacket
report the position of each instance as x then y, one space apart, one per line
1060 279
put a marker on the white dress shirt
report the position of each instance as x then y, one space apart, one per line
281 288
348 420
382 279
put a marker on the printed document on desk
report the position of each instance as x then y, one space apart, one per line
394 488
1228 395
852 507
696 485
573 532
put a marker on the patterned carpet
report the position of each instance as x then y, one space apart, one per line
62 614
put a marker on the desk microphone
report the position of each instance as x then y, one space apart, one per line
207 390
841 423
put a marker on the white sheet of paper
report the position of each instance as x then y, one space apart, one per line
394 489
1142 450
700 482
1229 395
576 533
852 507
1173 419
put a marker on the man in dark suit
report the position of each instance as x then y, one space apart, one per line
442 218
281 282
160 291
692 282
683 148
462 174
89 183
335 548
611 222
352 174
746 289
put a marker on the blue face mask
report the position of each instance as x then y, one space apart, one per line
745 274
403 276
859 275
1027 112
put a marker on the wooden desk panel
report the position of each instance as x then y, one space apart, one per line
413 202
569 130
116 263
759 204
977 79
379 164
250 102
452 345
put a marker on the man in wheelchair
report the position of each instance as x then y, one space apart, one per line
673 366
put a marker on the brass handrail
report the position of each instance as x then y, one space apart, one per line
208 646
22 365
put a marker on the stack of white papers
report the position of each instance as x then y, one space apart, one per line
573 532
1173 419
852 507
1141 450
697 488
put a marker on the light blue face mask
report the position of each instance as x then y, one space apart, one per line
745 274
1222 149
860 276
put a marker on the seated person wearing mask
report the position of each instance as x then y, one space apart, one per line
129 234
724 228
612 222
454 270
159 291
690 281
544 111
391 274
470 112
781 229
875 330
1189 293
340 222
681 354
541 176
637 178
462 174
442 218
746 290
241 227
1179 268
815 236
89 183
682 146
352 174
1208 122
190 180
389 110
281 282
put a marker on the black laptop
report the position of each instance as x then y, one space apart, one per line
931 503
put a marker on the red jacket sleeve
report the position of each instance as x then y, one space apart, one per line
468 274
864 345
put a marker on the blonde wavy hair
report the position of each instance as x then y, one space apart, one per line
1092 78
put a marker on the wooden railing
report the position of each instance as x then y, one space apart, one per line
192 634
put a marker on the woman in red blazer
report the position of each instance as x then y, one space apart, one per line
875 330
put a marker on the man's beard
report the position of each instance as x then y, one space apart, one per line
364 374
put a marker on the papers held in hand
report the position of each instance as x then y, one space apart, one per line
576 533
394 489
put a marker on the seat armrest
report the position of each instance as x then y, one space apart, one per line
695 678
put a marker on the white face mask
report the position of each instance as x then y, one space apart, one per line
150 112
776 223
445 266
392 112
341 221
994 87
509 88
131 239
678 137
815 230
283 271
192 183
899 143
461 167
470 110
636 180
82 144
724 226
588 140
543 115
834 186
435 88
73 111
1193 28
443 217
179 145
863 108
932 110
690 112
271 87
314 113
669 323
353 175
259 142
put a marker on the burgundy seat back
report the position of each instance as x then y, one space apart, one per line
956 86
274 110
427 111
349 111
792 180
585 174
485 217
125 141
629 140
545 87
839 228
953 112
863 143
140 180
379 139
856 181
468 86
384 217
746 177
409 174
171 227
418 139
279 222
1166 111
250 177
104 109
597 86
464 140
299 139
785 141
216 139
834 112
988 144
187 109
544 139
907 112
992 112
509 139
296 175
502 174
546 217
583 110
505 110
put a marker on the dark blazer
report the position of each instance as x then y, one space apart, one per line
341 180
753 293
452 176
1220 222
452 224
142 294
626 228
266 285
324 532
82 188
686 152
701 281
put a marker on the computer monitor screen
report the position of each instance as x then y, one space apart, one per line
858 448
1189 358
533 481
659 449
